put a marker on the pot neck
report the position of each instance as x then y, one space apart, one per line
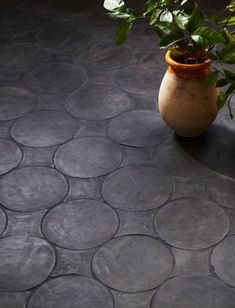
188 71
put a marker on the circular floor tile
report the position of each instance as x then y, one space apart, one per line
223 129
80 224
173 159
97 103
32 189
138 128
44 128
193 292
109 58
8 302
55 78
133 263
10 156
20 57
222 259
88 157
222 190
192 223
21 21
71 291
138 78
137 188
25 261
63 37
15 102
3 222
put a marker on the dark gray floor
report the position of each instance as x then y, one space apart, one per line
102 206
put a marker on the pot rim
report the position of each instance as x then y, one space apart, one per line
189 67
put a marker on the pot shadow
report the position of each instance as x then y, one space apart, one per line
215 149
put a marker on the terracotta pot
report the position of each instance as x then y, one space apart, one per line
184 103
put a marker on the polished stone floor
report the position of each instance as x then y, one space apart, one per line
101 205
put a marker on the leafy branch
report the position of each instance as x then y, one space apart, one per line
190 35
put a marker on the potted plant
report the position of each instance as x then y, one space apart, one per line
189 96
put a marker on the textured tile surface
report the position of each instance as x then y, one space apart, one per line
32 188
205 222
138 188
36 255
133 263
44 129
101 205
139 128
194 291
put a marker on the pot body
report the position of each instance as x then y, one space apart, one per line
184 103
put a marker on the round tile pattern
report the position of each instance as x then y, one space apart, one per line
10 156
139 78
44 128
222 130
20 57
222 190
139 128
193 292
25 262
3 222
104 103
110 59
80 224
32 188
139 188
63 37
55 78
133 263
88 157
192 223
8 302
22 21
174 160
59 291
222 259
15 102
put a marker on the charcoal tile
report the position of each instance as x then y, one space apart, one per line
133 263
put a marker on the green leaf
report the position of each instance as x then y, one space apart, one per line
222 82
121 15
154 17
183 2
175 52
217 18
227 54
166 27
206 37
230 21
231 6
229 74
171 39
210 80
221 99
180 19
150 6
211 55
195 20
166 16
228 37
111 5
122 32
